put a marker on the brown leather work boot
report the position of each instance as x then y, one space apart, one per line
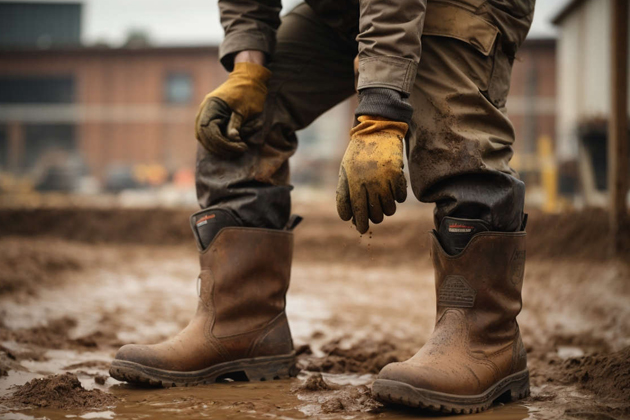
475 354
240 327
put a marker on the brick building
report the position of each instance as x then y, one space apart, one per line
531 105
113 106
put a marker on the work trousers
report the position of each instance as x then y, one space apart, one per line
459 143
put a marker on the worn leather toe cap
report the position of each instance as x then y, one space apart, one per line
140 354
449 378
417 376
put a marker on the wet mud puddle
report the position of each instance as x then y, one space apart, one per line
282 399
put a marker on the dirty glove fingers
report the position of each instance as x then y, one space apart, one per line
399 187
344 208
387 203
375 210
215 116
251 131
210 110
359 203
217 144
234 126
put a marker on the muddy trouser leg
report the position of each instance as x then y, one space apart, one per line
461 139
312 70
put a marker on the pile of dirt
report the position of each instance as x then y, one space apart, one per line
366 356
95 225
606 375
314 383
322 236
578 235
8 362
351 399
26 266
56 334
332 398
62 392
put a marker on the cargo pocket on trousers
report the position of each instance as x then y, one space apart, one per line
499 83
486 64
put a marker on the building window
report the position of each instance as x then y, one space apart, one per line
37 90
178 88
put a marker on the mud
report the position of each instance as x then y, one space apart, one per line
56 334
366 356
63 392
572 235
27 266
606 375
315 383
328 398
355 304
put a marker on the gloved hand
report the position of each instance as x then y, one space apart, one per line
371 176
225 109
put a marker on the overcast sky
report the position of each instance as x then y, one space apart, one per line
177 22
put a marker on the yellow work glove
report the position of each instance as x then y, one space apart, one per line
224 110
371 177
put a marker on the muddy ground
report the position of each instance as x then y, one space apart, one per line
77 283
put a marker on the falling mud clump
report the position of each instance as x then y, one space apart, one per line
606 375
61 392
100 379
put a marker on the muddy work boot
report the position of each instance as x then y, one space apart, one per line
240 330
475 354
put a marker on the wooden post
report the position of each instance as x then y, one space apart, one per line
16 146
618 126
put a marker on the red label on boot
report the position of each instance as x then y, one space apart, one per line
205 219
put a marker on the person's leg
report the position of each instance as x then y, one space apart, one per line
461 143
312 70
246 246
459 152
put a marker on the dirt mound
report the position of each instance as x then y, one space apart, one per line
315 382
60 392
333 398
322 236
53 335
138 226
366 356
56 335
580 235
25 266
351 399
606 375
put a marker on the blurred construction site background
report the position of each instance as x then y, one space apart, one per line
98 98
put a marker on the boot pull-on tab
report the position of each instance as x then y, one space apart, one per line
524 222
294 220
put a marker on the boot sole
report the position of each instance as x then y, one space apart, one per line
513 388
254 369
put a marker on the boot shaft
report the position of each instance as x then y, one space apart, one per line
244 277
484 281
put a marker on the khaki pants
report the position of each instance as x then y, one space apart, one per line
459 142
